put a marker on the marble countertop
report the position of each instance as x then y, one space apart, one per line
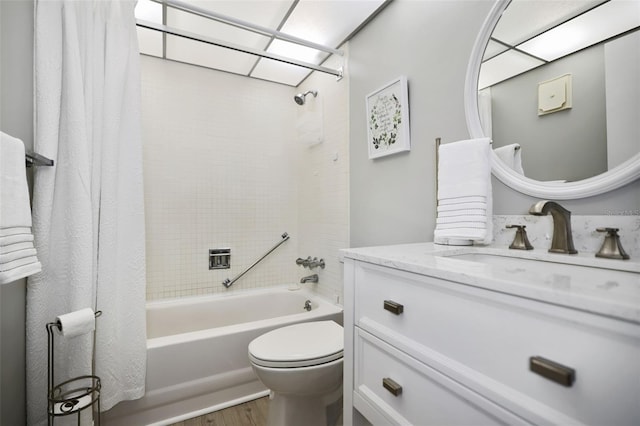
602 286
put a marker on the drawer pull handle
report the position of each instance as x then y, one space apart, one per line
552 370
391 386
393 307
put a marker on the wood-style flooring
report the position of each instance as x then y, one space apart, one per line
252 413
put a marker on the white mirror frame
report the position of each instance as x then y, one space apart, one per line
619 176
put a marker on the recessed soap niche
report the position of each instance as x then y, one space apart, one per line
220 258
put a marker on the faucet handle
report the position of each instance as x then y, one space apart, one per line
315 263
520 241
611 247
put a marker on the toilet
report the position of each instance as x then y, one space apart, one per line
302 366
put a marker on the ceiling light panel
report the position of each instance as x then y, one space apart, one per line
286 73
280 72
493 49
328 22
505 66
263 13
323 22
601 23
524 19
148 10
149 41
207 55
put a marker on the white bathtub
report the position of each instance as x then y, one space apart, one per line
197 351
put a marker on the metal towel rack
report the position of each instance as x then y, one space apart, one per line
35 159
227 282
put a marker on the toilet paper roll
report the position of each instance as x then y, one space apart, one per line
77 323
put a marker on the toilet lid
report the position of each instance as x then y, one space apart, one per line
298 345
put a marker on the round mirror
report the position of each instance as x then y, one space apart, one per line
556 85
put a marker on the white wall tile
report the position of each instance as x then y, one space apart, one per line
223 169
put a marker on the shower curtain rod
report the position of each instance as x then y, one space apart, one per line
190 8
192 36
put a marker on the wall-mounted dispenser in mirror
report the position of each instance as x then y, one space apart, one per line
512 52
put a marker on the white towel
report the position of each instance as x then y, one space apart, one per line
464 193
5 232
17 253
7 258
15 209
511 155
10 248
14 239
29 268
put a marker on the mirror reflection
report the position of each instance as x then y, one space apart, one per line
559 87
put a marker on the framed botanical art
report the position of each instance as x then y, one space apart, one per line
388 119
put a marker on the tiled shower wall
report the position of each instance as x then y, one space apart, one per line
223 168
323 191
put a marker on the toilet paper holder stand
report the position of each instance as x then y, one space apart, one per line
74 395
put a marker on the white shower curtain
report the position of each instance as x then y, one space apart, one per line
88 210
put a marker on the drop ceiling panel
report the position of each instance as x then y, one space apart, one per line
608 20
504 66
279 72
148 10
493 49
266 13
212 29
328 22
207 55
150 42
524 19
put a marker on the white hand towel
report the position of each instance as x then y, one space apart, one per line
16 247
24 270
14 239
464 193
5 232
15 209
511 155
462 200
461 212
17 254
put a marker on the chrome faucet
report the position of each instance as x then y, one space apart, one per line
562 239
310 279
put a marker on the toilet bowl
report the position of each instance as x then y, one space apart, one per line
302 366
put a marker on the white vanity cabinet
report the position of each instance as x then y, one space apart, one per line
424 350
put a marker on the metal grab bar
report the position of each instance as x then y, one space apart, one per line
227 282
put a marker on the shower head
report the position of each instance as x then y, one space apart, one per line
299 98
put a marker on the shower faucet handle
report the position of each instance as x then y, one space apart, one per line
304 262
315 263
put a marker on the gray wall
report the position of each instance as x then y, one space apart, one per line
576 136
16 119
393 198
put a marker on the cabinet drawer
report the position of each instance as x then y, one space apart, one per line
406 391
495 335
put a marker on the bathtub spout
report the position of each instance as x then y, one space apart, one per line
310 279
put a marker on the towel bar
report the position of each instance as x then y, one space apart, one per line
35 159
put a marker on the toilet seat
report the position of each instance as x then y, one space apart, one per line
298 345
